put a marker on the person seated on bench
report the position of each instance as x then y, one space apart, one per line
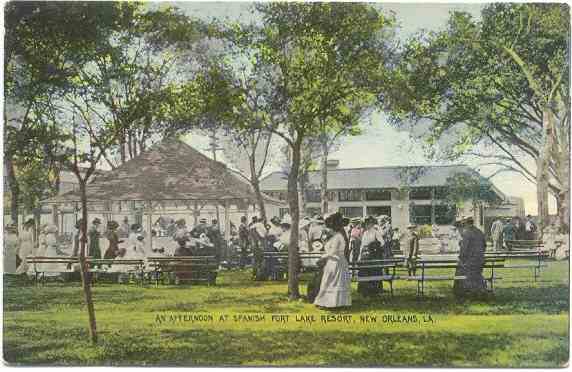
371 249
412 248
471 259
335 286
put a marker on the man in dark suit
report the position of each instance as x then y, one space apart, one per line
471 259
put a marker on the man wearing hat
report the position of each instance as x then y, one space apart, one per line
94 235
471 259
201 228
413 248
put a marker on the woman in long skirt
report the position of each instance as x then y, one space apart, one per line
335 287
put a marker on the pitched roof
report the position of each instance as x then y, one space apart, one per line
170 170
374 177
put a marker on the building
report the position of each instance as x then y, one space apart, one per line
407 194
511 207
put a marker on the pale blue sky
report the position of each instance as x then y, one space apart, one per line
380 144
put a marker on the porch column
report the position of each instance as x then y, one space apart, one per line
226 220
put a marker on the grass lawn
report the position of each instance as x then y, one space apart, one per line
524 324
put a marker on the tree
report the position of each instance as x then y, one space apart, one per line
324 57
495 88
44 41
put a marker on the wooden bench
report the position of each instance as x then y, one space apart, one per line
387 268
278 263
524 245
537 257
429 264
40 270
133 268
199 268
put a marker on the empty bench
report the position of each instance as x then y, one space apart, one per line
536 260
132 267
56 265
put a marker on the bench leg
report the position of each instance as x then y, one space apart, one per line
391 288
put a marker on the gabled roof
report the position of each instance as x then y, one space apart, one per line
170 170
375 177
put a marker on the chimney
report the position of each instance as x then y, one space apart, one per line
332 164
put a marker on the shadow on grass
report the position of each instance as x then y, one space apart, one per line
331 348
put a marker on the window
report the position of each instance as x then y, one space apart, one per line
378 195
377 211
420 214
283 211
423 193
441 192
351 212
445 214
310 212
349 195
313 196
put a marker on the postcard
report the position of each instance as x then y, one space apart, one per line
293 184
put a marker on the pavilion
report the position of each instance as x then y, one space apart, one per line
170 178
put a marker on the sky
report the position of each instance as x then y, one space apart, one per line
380 144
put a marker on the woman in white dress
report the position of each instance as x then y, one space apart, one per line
26 246
335 287
50 246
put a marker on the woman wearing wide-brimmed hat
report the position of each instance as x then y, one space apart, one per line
94 234
335 286
372 242
113 238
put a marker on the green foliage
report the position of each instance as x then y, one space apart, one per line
467 84
463 187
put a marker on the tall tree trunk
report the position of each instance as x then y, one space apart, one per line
324 177
302 191
564 195
542 174
85 275
259 199
130 144
122 146
255 182
293 256
14 191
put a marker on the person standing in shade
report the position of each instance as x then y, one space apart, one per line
496 234
508 233
355 240
412 249
530 228
94 234
244 242
471 260
335 286
113 238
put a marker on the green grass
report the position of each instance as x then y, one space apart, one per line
525 324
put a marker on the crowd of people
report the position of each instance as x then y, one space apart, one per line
340 242
507 229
